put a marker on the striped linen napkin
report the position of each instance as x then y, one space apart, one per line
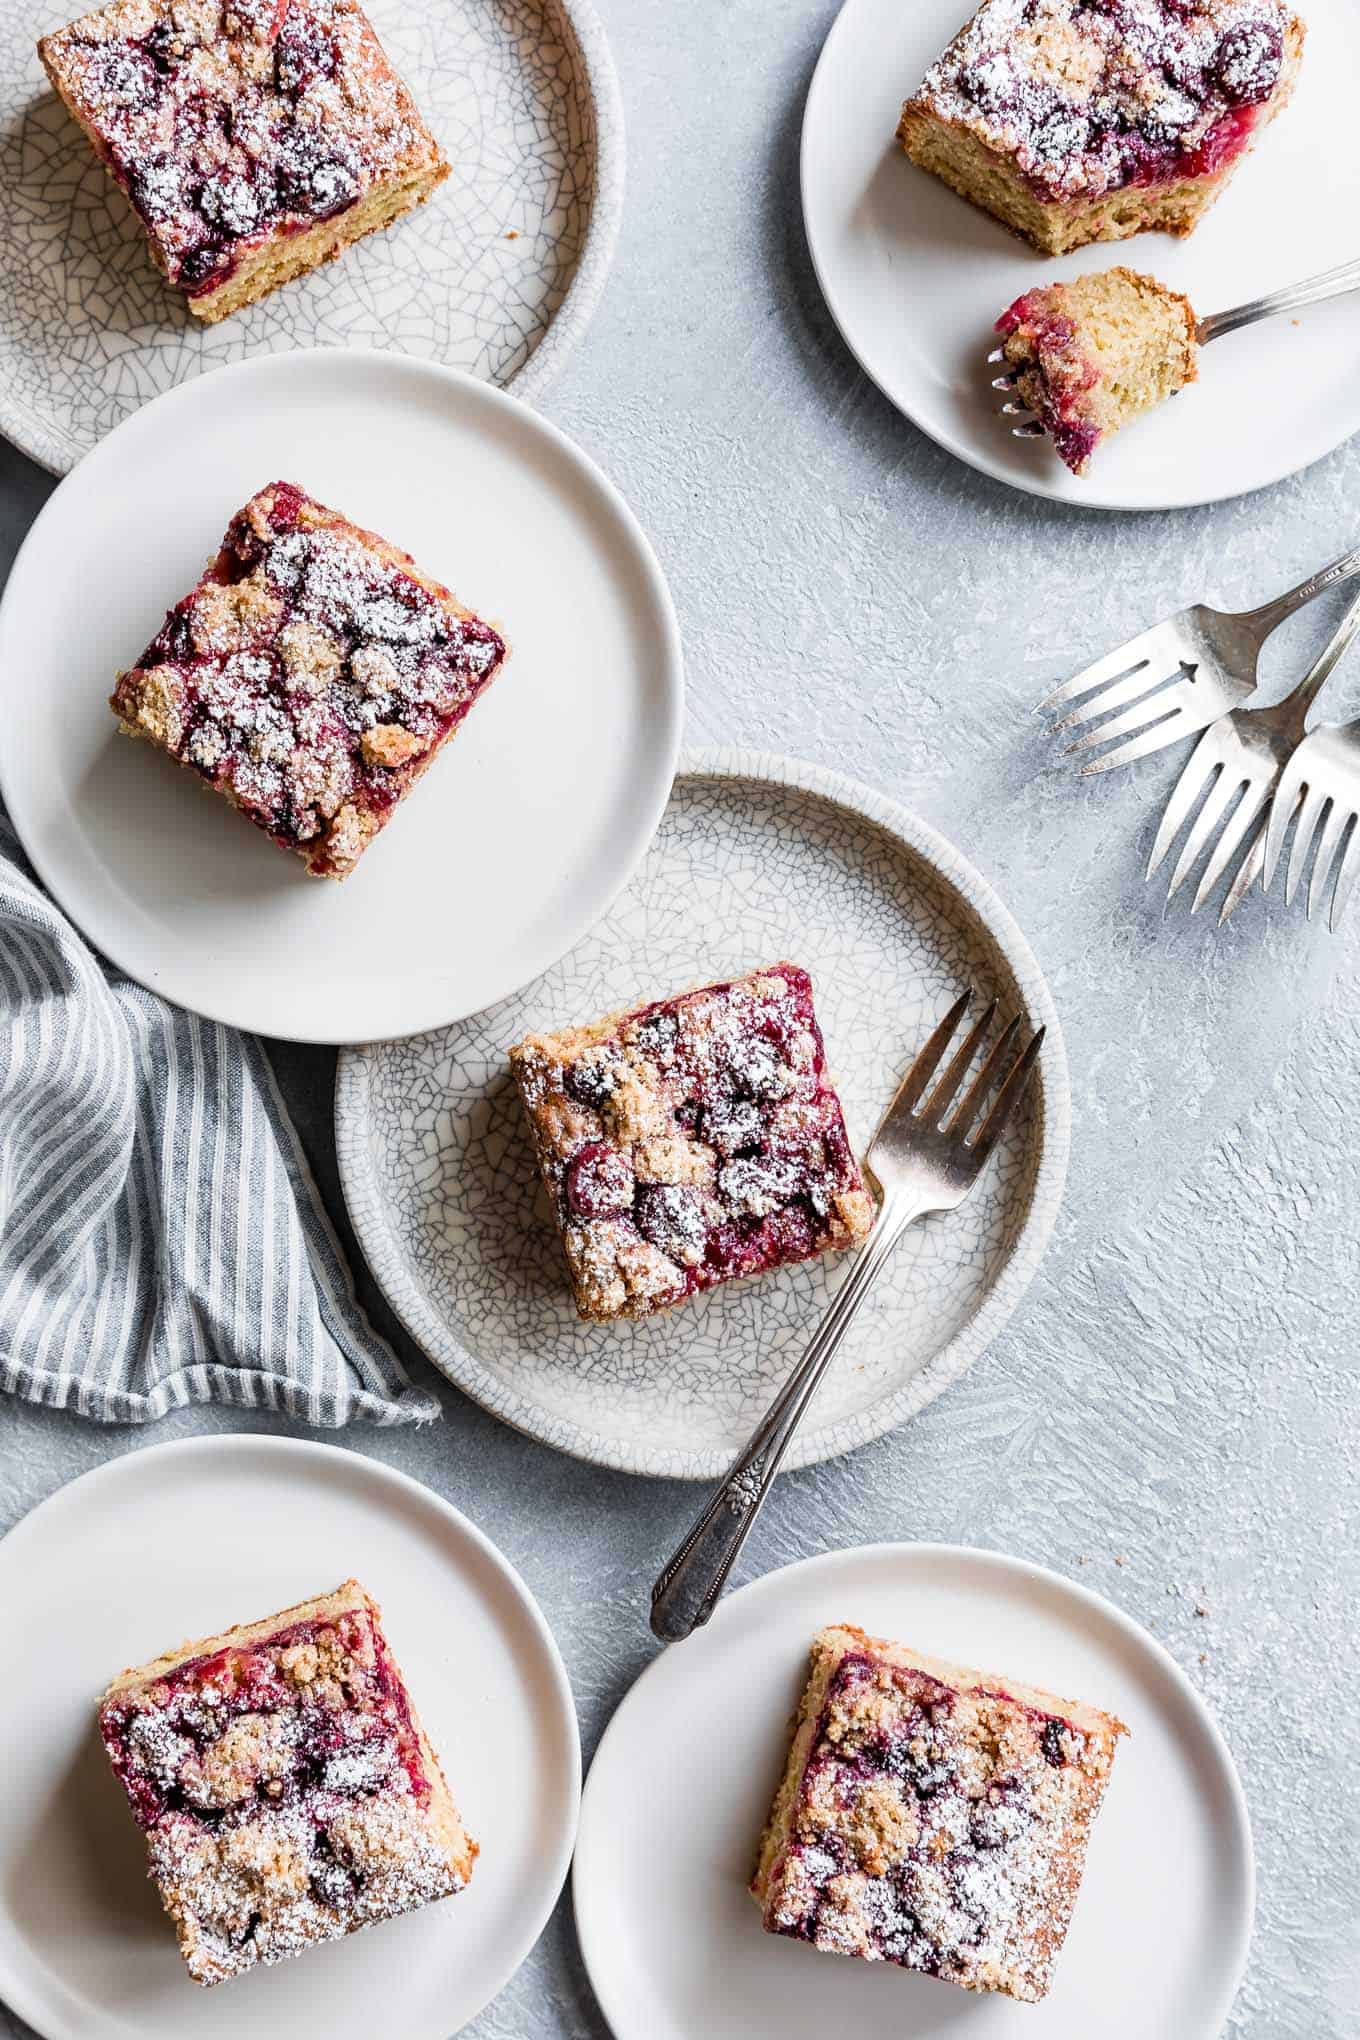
161 1239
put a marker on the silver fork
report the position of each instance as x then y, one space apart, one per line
1178 677
1313 290
925 1157
1235 768
1319 791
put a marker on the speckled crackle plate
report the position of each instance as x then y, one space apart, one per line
757 858
498 274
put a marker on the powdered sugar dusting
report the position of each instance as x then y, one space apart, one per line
941 1828
1088 96
308 676
692 1141
228 124
284 1793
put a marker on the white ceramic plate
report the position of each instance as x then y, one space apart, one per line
757 858
915 277
683 1780
498 274
179 1541
522 832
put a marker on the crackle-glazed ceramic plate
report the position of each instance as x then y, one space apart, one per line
756 859
461 898
182 1540
498 274
670 1935
915 276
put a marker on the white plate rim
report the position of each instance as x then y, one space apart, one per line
58 455
658 594
12 1990
383 1252
592 1942
976 456
569 322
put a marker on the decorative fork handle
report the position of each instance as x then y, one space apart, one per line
690 1586
1271 614
1312 291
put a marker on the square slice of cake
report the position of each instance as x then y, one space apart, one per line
1090 356
690 1141
1090 120
310 677
285 1786
932 1816
254 138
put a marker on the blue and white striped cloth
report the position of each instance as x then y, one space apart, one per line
161 1239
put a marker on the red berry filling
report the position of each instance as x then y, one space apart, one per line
901 1804
162 1745
307 672
1130 93
228 125
699 1141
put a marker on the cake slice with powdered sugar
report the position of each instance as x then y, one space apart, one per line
311 677
1090 120
254 138
692 1141
933 1816
285 1786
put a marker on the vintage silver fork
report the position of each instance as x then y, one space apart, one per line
1236 767
1313 290
925 1157
1178 677
1319 791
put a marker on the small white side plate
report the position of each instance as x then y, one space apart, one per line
684 1777
915 277
522 831
179 1541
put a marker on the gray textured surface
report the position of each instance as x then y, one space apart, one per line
1178 1390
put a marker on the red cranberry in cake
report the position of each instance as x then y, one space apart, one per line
285 1786
1090 356
255 138
310 677
691 1141
932 1816
1090 120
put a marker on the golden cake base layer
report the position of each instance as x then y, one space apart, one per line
286 257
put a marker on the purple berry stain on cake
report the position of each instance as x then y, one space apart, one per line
697 1142
307 670
1155 90
955 1854
224 128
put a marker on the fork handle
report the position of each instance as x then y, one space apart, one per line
1314 290
690 1586
1271 614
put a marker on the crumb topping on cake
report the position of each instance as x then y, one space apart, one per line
283 1790
1089 96
308 675
691 1141
226 123
936 1827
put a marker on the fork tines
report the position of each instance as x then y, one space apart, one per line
1149 683
981 1116
1324 827
1007 382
